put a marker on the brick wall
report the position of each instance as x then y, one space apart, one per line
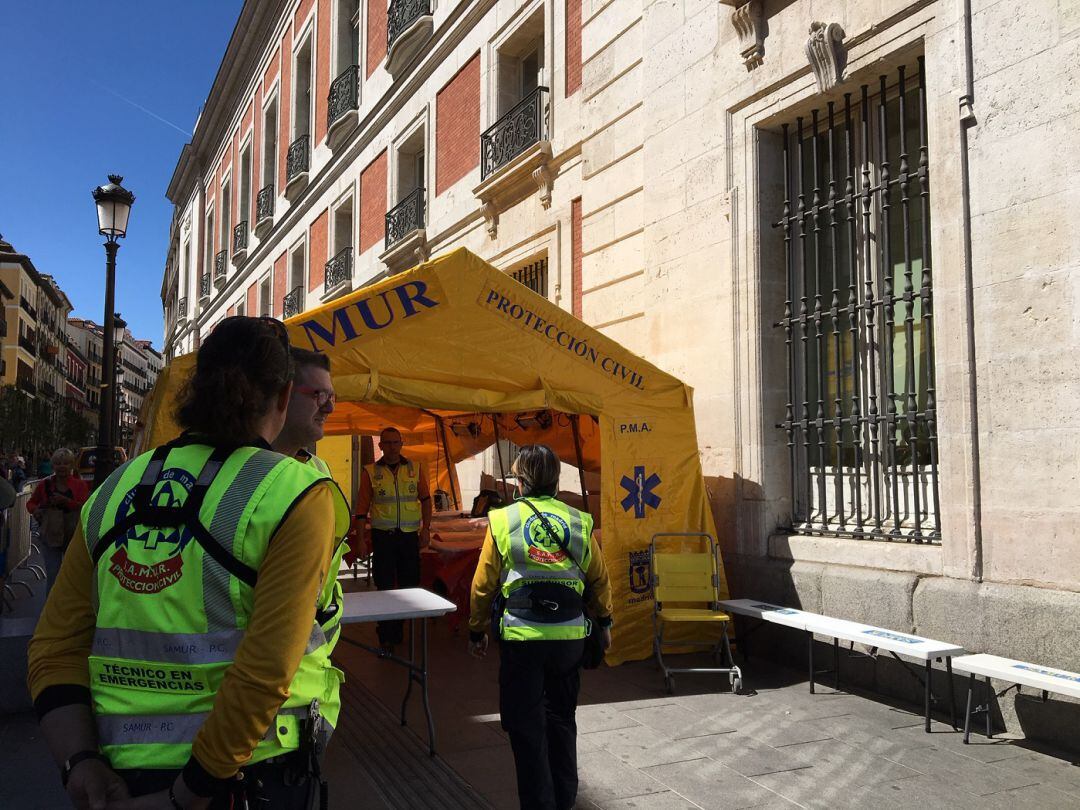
457 126
573 46
284 110
322 70
278 293
317 248
373 202
301 13
256 153
252 306
575 256
376 34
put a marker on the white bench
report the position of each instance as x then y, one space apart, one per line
897 644
1018 673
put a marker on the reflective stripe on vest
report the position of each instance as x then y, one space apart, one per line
333 597
395 502
531 556
170 617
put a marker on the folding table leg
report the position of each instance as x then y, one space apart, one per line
926 696
989 697
967 713
424 685
409 668
836 661
810 636
952 692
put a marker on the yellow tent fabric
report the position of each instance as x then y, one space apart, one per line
455 340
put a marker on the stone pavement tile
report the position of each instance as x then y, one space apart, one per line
1032 796
709 784
979 749
678 722
668 800
490 771
748 756
602 778
782 732
641 746
869 735
807 789
1056 773
835 762
963 772
598 717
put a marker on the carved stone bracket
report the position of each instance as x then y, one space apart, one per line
748 20
827 54
543 178
491 217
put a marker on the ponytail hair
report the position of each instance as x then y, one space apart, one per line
240 370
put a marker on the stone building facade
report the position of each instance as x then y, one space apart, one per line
848 225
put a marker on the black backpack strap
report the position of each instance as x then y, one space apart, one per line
552 533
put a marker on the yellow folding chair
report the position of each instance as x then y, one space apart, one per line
686 588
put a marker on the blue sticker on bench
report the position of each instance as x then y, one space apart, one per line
775 609
1065 676
893 636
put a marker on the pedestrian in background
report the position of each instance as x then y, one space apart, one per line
55 505
541 568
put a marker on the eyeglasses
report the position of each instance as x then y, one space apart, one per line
320 396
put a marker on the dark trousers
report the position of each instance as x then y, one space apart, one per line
538 693
281 784
395 564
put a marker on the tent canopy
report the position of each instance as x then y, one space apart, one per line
433 350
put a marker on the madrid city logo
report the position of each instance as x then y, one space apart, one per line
158 562
639 492
542 547
640 571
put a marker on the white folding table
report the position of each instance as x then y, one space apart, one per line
407 604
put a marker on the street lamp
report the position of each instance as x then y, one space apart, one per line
113 203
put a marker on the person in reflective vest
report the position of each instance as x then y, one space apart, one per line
394 490
179 659
539 570
312 401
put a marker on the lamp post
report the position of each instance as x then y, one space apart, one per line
113 209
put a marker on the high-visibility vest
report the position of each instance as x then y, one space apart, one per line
535 566
395 502
177 537
330 618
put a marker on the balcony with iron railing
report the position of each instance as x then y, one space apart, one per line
204 287
221 272
343 102
297 163
514 151
339 271
405 243
28 307
181 308
408 25
264 210
240 243
27 385
293 302
27 343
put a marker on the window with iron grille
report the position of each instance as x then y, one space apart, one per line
860 415
533 275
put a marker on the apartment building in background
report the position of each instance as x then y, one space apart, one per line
845 224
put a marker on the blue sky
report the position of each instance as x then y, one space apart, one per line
64 127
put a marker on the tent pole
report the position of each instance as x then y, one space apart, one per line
449 467
355 469
580 461
498 451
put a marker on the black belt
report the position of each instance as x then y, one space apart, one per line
545 603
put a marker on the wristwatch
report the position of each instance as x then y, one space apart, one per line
76 758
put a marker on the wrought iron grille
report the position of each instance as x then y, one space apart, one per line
181 308
404 218
240 236
339 268
860 416
204 285
344 94
524 125
293 302
298 159
402 14
219 266
264 203
534 276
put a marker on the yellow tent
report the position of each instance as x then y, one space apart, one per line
455 350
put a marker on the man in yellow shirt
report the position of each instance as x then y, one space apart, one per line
394 490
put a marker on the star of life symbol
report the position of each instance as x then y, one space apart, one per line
151 573
639 492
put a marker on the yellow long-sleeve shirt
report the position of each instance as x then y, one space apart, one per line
257 682
488 579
